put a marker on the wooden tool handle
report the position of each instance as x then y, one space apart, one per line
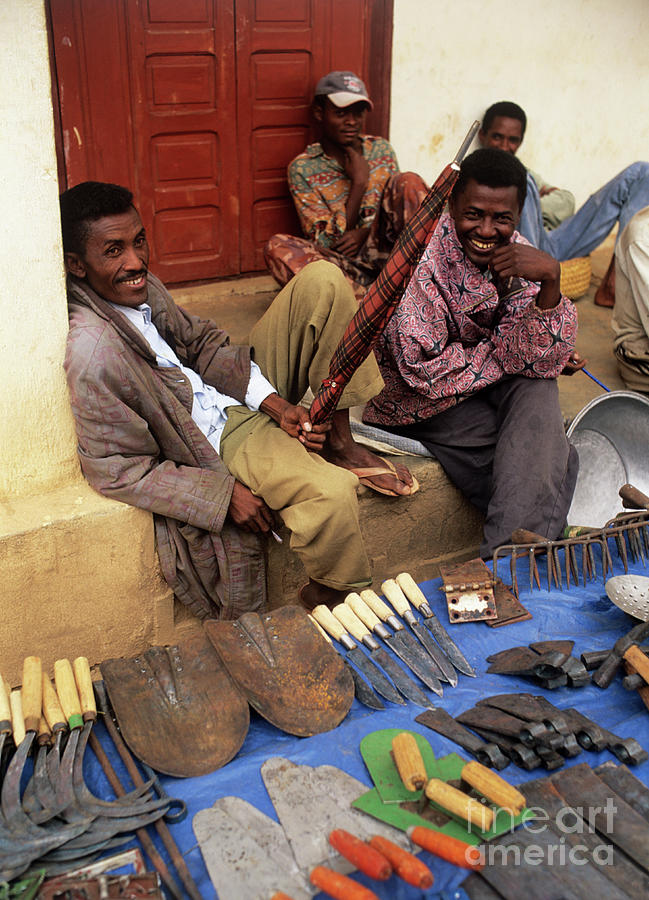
44 733
350 621
67 691
339 886
460 804
378 607
83 681
362 610
523 536
633 498
411 589
446 847
366 859
409 761
638 660
395 596
406 865
51 706
5 708
31 692
16 703
494 787
324 617
320 628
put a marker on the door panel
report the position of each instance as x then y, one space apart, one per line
90 57
184 113
280 51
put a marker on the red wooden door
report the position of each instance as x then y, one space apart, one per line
199 106
184 120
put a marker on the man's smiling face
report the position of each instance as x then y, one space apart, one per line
485 218
115 259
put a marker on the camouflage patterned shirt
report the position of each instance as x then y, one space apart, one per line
320 187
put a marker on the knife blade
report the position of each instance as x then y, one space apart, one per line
399 601
383 611
324 617
415 595
403 682
362 691
416 662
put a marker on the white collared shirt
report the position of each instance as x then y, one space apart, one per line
209 405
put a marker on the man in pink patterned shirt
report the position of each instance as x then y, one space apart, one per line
470 357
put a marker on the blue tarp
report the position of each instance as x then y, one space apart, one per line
583 614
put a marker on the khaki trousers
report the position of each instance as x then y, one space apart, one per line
293 344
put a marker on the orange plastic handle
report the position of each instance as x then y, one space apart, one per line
366 859
339 886
410 869
467 856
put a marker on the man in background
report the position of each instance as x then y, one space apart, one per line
631 317
350 197
503 126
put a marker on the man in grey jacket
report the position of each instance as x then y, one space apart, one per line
211 438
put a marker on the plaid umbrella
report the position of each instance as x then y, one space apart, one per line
383 295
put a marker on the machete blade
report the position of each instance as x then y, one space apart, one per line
415 659
413 594
327 621
403 682
449 647
418 662
438 656
374 675
363 692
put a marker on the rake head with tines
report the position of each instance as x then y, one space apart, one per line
578 553
629 531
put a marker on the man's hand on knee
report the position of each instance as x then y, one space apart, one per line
249 512
350 243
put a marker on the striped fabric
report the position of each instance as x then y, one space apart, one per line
382 297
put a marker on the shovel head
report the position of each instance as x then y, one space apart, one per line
285 669
177 707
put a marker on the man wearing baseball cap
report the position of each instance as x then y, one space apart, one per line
351 199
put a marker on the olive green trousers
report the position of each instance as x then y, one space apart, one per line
293 344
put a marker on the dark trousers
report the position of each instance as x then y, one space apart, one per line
505 448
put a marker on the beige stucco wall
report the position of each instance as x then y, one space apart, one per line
579 68
36 432
73 565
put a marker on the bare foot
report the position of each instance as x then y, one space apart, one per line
342 450
313 594
605 293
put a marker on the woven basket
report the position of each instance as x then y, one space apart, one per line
575 276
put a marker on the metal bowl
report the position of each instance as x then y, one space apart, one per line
611 436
